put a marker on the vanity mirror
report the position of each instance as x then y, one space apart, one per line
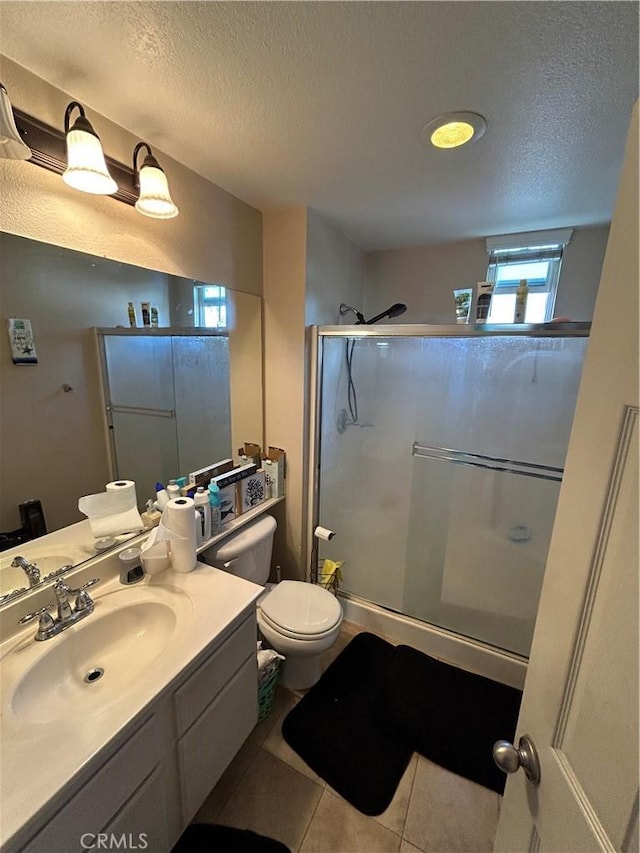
55 435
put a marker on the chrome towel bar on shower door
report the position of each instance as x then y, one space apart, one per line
491 463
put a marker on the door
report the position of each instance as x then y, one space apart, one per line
580 705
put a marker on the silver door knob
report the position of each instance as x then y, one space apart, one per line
509 758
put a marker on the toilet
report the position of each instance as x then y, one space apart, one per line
298 619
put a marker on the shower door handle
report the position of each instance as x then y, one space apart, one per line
510 759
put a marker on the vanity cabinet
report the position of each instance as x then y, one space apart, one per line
153 784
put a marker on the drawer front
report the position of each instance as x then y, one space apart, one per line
142 821
102 796
201 688
208 747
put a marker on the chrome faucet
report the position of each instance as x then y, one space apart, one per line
31 570
66 614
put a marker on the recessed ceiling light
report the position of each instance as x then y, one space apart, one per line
454 129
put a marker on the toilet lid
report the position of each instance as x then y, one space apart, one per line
301 609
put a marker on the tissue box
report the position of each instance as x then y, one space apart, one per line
249 453
252 491
203 475
274 467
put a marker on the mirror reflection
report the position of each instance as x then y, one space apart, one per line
70 424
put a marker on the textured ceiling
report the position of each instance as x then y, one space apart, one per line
322 104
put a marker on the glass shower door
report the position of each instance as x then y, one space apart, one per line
442 491
168 404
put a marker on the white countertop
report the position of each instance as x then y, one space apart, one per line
40 758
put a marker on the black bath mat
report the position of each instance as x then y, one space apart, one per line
341 731
214 838
450 716
377 704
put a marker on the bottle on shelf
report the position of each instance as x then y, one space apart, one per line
215 506
522 294
201 501
173 489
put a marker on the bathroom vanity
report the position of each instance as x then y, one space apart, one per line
125 722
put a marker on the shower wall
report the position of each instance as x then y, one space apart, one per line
462 546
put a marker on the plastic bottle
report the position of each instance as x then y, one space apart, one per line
215 505
173 489
201 500
483 303
521 301
162 498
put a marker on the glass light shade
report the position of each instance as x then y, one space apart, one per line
86 168
12 146
452 134
154 199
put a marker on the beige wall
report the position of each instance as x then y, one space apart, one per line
425 277
284 262
309 269
215 238
335 272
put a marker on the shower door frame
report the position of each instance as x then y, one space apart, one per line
467 652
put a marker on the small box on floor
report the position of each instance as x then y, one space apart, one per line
252 491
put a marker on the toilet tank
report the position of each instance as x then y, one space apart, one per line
246 553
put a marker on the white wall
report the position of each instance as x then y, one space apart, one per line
424 277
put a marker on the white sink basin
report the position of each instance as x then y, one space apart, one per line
91 665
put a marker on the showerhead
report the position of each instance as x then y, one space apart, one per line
345 308
396 309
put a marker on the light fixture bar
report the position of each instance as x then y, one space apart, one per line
48 150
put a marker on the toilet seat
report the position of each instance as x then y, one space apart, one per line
301 611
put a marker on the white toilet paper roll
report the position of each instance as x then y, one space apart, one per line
124 487
324 533
113 511
179 520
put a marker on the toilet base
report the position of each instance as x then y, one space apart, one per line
300 673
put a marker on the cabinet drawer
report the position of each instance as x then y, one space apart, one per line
208 747
102 795
207 681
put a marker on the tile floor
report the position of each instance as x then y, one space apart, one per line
268 788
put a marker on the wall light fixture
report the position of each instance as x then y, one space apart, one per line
11 145
86 168
76 154
154 199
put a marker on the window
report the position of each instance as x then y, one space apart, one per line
210 305
537 257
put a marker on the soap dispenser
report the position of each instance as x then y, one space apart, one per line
215 505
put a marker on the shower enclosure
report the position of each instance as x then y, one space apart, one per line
438 453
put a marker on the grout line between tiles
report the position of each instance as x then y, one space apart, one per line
406 814
306 832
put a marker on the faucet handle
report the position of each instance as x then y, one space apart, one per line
83 599
34 615
45 625
84 586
